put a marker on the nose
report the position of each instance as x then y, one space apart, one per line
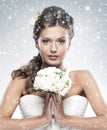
53 47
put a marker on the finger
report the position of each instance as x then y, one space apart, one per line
59 99
53 106
54 101
54 98
47 98
47 104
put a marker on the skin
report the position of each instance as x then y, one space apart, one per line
53 44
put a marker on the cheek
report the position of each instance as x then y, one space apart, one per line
63 50
42 50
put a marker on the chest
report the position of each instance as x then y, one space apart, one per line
76 89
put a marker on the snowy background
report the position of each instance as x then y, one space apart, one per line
88 50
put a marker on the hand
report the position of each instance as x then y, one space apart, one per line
58 108
47 108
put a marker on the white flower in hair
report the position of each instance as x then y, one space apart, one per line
52 80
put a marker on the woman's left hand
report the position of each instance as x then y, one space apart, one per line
58 108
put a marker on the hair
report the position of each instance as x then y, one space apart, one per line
50 17
53 16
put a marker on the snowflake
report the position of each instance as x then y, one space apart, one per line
15 14
32 9
4 53
31 21
101 3
87 8
16 54
9 17
98 37
11 1
75 2
99 10
25 40
94 40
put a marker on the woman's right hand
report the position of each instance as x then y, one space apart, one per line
47 114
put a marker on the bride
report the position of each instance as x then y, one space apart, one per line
53 31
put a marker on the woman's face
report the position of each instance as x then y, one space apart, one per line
53 44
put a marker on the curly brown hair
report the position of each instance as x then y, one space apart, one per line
50 17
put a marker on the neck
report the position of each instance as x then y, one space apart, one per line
61 66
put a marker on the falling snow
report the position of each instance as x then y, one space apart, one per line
88 50
87 8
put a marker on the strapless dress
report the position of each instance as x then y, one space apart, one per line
31 105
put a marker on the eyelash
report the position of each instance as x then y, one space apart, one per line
60 41
45 41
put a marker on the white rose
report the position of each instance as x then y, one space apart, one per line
52 79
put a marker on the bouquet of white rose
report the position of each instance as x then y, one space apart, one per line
52 80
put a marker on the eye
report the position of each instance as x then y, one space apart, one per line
61 41
45 41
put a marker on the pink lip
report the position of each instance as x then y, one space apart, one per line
53 57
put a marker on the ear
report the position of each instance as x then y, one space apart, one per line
69 45
36 45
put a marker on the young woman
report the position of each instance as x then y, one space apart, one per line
53 31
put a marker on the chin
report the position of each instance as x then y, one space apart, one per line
53 64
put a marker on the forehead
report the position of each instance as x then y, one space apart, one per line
54 32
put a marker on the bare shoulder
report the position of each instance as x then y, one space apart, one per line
18 84
15 89
85 79
19 81
80 74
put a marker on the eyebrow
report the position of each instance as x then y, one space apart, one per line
49 38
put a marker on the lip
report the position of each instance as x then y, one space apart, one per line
53 57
